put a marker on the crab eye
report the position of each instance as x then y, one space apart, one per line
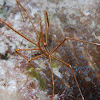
45 44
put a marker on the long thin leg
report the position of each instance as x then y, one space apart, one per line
72 73
21 13
24 50
35 57
74 40
52 77
18 32
26 56
28 17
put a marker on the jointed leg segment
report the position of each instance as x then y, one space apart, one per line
18 33
24 50
68 65
26 56
52 77
74 40
28 17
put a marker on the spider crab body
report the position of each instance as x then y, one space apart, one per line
42 45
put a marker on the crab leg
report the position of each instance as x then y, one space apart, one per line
72 73
74 40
